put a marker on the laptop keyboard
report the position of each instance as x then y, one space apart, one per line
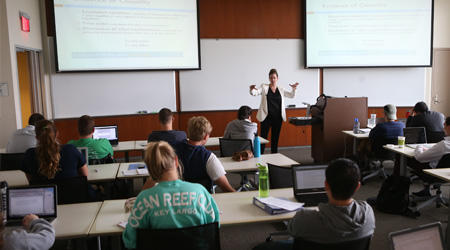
312 200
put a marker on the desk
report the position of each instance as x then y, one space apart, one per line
130 178
106 173
356 139
405 153
110 213
444 174
126 147
103 173
212 142
250 165
75 220
238 208
14 178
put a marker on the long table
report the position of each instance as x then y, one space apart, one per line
97 173
356 139
250 165
444 174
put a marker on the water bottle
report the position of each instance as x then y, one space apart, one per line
256 146
263 181
3 187
356 126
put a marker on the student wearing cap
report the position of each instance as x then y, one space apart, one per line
385 130
432 121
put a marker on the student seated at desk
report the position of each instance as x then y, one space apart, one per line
166 133
24 138
341 219
199 163
388 129
153 208
432 121
98 149
243 127
50 160
427 158
37 234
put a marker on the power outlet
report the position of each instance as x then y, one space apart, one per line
4 89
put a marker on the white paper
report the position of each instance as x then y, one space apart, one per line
142 171
122 224
281 203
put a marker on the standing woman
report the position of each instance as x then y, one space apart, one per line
172 203
271 112
50 160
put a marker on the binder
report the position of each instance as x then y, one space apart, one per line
272 210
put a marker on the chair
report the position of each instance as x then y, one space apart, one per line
434 137
11 161
228 147
427 179
359 244
379 155
415 135
280 177
203 237
70 190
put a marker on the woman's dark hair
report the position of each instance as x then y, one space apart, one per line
343 177
273 71
447 121
244 112
47 148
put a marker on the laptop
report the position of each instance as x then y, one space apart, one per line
414 135
109 132
427 237
39 200
309 184
84 153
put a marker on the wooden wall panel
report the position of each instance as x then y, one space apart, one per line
138 127
251 19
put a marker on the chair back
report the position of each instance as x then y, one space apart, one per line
359 244
229 146
280 177
70 190
415 135
203 237
444 162
11 161
434 137
381 153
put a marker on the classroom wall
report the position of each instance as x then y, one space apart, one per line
12 36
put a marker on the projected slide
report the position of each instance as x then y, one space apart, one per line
126 34
368 33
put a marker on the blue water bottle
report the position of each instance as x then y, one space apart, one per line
256 146
356 126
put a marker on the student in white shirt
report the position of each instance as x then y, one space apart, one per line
24 138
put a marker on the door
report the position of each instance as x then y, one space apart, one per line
30 75
440 87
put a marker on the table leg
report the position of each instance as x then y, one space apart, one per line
127 156
355 146
403 165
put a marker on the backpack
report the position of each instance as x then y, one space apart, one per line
393 197
318 108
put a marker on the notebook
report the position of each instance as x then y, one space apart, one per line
109 132
309 184
38 200
427 237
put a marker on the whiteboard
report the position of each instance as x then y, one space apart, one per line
110 93
398 86
230 66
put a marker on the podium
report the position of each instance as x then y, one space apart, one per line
327 140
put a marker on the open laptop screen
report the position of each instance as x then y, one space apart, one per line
109 132
38 200
309 177
427 237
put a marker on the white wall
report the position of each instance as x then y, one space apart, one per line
12 36
441 24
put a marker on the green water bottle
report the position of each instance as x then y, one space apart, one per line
263 181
